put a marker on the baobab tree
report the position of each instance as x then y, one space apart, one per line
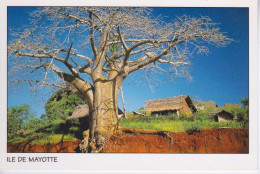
95 49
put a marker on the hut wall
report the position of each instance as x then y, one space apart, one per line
223 117
186 109
166 112
185 112
185 106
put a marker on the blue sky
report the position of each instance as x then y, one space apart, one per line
221 76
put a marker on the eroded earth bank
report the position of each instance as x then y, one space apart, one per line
221 140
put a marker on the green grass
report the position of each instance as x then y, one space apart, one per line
173 124
55 138
59 130
41 138
55 132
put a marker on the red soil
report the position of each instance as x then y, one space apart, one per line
208 141
61 147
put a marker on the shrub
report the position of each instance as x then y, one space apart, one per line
74 130
242 116
33 124
16 117
203 116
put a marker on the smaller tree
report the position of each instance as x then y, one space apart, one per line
243 115
17 116
61 105
245 102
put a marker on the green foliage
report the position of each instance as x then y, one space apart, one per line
141 110
55 138
245 102
193 129
40 138
243 116
33 124
114 48
204 114
16 117
74 129
58 127
61 105
22 126
48 133
201 103
231 109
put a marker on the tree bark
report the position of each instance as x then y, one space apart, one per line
104 117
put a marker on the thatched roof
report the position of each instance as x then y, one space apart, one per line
171 103
206 104
237 105
219 112
216 112
80 112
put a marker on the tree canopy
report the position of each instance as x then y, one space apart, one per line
69 40
17 116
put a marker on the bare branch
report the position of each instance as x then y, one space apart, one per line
78 19
86 69
147 41
69 66
173 63
152 58
39 56
43 83
122 38
141 50
68 52
90 61
92 39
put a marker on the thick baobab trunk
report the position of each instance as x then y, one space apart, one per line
104 117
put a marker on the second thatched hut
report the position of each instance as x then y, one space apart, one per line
181 105
222 115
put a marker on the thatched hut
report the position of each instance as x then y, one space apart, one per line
233 105
205 104
179 104
222 115
82 111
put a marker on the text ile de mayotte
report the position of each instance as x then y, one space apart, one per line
33 159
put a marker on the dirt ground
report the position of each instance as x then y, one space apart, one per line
221 140
61 147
